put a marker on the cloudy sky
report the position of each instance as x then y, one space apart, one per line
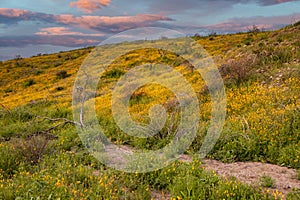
28 27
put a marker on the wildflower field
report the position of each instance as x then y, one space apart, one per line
42 156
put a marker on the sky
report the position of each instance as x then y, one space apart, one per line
30 27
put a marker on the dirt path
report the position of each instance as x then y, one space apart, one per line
251 172
246 172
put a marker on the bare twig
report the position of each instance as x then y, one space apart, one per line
58 119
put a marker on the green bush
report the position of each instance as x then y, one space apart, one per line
294 195
10 160
12 129
267 181
62 74
29 82
114 73
8 90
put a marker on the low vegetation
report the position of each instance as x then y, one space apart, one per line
267 181
42 156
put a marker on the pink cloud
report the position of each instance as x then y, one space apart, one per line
8 12
100 23
90 5
11 16
64 31
117 23
275 1
245 24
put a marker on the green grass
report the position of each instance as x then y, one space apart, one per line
267 181
262 78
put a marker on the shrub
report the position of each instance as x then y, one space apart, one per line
267 181
11 130
32 148
38 72
297 23
288 156
29 82
254 29
62 74
114 73
237 71
139 98
247 41
59 88
8 90
9 161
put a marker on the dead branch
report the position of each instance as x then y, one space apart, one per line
63 122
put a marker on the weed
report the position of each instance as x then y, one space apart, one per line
267 181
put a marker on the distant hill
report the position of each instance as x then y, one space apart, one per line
27 79
42 156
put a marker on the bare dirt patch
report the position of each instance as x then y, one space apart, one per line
246 172
160 195
251 172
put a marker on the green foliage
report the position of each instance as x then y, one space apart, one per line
8 90
139 98
247 41
195 183
11 130
62 74
234 147
10 160
29 82
267 181
68 140
114 73
262 124
294 195
289 156
59 176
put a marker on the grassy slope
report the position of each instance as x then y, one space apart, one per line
261 72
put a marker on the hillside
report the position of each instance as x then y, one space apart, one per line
43 157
